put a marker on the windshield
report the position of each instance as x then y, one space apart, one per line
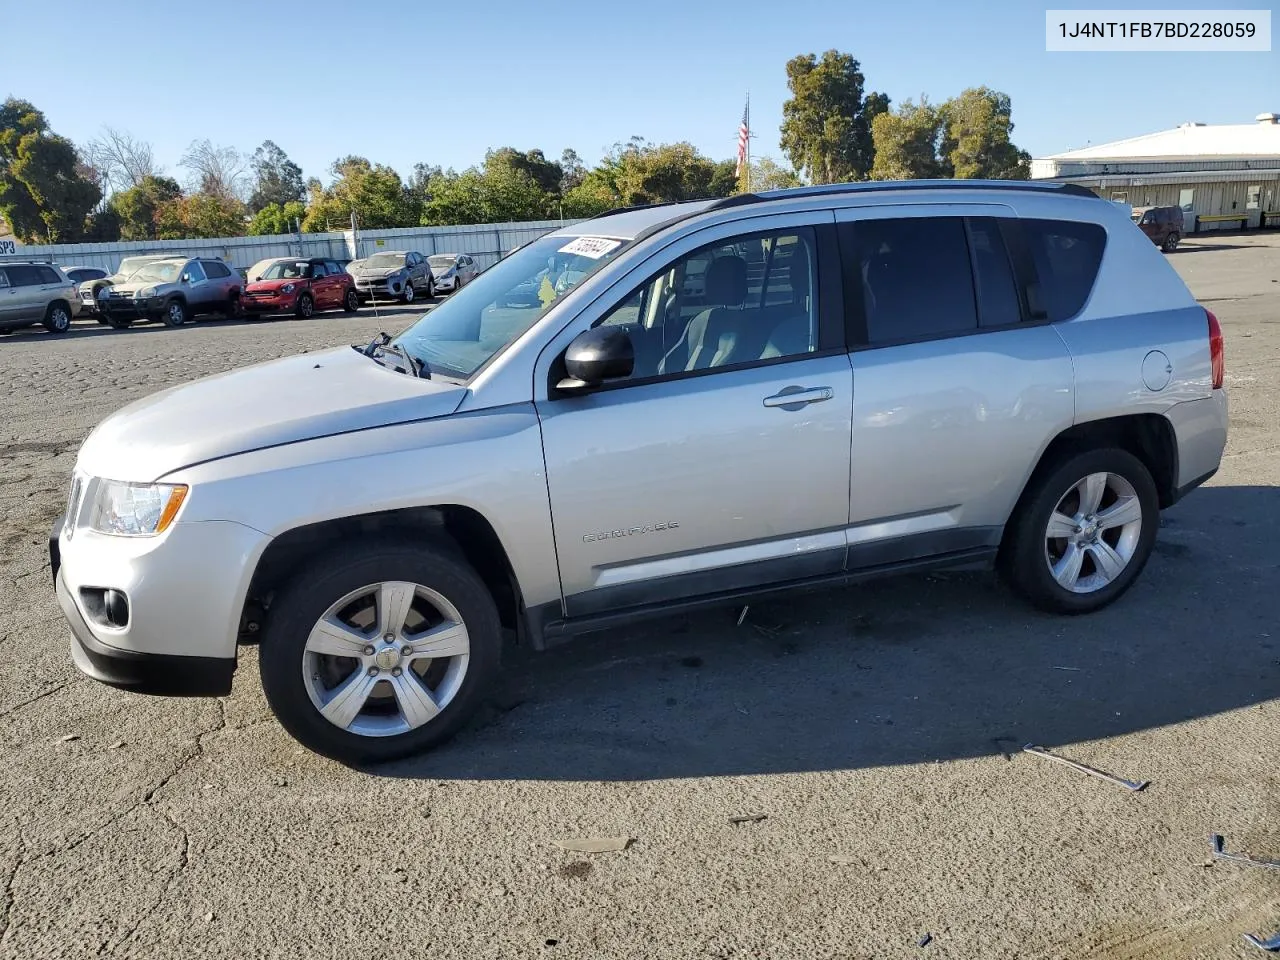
287 271
441 261
166 271
500 304
129 264
381 261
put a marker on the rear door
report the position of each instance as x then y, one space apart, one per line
959 379
27 298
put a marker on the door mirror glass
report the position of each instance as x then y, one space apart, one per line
186 278
596 355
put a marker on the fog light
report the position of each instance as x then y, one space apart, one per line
116 606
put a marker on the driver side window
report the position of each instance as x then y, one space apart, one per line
729 304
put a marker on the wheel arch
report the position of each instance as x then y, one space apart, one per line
459 528
1148 436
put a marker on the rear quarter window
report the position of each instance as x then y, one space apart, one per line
1066 255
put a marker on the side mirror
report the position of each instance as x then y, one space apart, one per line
597 355
186 278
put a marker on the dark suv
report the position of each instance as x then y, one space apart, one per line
1162 224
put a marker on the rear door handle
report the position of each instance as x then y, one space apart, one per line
794 398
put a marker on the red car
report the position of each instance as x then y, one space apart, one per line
301 287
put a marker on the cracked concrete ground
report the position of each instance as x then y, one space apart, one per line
877 726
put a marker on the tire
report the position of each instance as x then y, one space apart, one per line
1029 556
234 310
175 313
57 318
409 292
117 323
377 728
306 306
351 302
1170 243
431 289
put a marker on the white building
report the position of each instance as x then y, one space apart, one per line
1223 177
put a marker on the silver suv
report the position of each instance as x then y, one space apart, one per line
32 292
866 380
174 290
393 275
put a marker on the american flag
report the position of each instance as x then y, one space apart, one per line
744 132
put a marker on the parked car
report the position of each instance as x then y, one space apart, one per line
377 517
451 271
397 275
302 287
173 290
33 292
90 288
256 271
1162 224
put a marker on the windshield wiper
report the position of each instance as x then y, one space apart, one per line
382 344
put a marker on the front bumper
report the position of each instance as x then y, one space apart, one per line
185 591
284 303
131 308
445 283
380 288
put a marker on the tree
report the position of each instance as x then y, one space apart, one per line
572 171
276 219
906 143
419 183
975 137
43 195
826 130
374 192
546 174
198 216
767 174
136 209
120 161
276 179
216 171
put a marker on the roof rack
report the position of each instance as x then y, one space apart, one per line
638 206
829 189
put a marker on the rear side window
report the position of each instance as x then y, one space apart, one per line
1066 255
21 275
4 279
215 270
49 275
915 276
998 304
333 268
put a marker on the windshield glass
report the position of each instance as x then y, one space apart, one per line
129 264
287 271
441 261
381 261
501 303
166 271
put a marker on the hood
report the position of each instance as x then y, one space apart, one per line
270 286
378 271
268 404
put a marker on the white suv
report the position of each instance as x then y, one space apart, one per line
864 380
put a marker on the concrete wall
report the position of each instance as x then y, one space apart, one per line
487 243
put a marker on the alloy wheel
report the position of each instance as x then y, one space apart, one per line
1093 532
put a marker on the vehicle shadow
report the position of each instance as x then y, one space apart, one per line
899 672
1192 246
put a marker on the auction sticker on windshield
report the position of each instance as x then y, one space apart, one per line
593 247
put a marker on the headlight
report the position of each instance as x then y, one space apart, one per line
135 509
287 288
147 292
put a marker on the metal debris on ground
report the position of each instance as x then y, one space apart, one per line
925 940
1134 785
117 745
749 818
1220 853
1271 946
69 737
594 844
843 859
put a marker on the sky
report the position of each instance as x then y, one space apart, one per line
440 82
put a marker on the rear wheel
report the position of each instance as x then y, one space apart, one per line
1170 243
234 309
1082 532
175 314
57 319
351 302
306 306
380 651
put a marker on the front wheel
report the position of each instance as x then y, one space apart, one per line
306 306
1082 532
408 294
175 314
351 302
380 651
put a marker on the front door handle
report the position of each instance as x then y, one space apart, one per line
795 398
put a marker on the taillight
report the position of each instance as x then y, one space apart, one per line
1217 355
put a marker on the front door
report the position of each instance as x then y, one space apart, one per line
722 462
961 378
